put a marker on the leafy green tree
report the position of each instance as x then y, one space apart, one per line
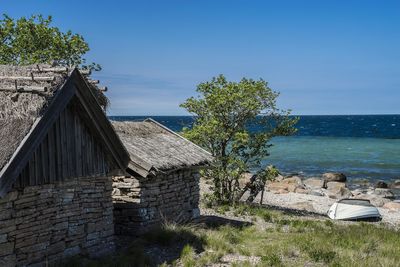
33 40
223 112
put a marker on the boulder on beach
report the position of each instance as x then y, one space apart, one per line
314 183
337 190
286 185
395 206
245 179
377 201
384 192
395 185
277 186
334 177
292 180
279 178
300 190
381 184
335 185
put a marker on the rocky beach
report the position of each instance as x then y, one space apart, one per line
315 195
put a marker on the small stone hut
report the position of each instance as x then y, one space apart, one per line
164 177
58 152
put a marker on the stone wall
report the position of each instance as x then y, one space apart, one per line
140 204
43 224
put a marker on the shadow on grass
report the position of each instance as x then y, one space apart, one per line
213 222
165 244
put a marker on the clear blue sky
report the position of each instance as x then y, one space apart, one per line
325 57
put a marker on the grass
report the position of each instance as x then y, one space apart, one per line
275 239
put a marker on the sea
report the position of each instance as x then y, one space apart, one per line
363 147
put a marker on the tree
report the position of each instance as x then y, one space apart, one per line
223 113
34 40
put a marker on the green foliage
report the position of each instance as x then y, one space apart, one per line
34 40
222 111
268 174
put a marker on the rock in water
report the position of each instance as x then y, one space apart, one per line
334 177
381 184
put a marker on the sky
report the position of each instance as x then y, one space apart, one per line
324 57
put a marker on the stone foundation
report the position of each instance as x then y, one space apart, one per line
140 204
46 223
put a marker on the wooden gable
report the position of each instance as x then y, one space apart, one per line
69 149
73 138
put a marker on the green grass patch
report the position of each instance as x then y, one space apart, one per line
285 241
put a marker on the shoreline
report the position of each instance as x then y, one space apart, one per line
319 205
308 197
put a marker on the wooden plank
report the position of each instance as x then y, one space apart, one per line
84 152
96 158
52 154
38 167
70 141
45 162
90 151
101 124
28 78
64 155
58 147
78 144
31 175
17 183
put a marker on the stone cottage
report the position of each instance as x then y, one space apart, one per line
163 184
58 152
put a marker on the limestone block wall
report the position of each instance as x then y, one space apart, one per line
43 224
140 204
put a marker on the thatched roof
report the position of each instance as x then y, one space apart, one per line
22 101
159 148
31 97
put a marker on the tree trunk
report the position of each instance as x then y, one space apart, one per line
262 197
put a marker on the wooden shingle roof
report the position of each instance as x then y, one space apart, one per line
154 147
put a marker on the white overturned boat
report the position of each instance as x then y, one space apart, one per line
353 209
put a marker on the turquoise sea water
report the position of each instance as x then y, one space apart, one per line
361 146
372 158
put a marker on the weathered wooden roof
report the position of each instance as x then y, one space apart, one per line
27 95
153 146
24 94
